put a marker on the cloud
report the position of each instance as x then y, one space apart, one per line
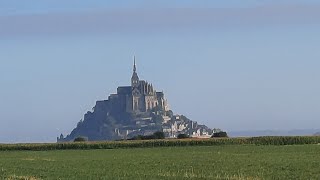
157 20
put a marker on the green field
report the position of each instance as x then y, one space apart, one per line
196 162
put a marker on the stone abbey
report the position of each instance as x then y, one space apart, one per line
134 110
140 97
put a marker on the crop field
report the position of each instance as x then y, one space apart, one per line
279 140
189 162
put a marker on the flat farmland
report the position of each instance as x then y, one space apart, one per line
190 162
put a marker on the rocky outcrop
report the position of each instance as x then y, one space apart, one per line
105 123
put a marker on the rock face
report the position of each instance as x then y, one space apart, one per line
135 110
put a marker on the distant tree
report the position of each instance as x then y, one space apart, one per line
156 135
216 130
220 134
169 113
159 135
80 139
183 136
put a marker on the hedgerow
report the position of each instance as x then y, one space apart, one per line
278 140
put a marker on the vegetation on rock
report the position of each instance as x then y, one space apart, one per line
220 134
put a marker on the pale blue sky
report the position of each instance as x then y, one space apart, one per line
235 65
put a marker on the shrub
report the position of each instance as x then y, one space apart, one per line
183 136
220 134
159 135
156 135
80 139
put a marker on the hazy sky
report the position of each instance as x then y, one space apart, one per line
235 65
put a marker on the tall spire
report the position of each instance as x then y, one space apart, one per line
134 64
135 77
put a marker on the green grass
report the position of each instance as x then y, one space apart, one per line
191 162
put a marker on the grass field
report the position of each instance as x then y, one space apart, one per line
203 162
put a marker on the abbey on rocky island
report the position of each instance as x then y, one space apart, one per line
134 110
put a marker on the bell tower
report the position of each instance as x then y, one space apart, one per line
135 77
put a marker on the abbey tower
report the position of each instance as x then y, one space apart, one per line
141 96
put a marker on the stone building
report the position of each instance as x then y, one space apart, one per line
140 97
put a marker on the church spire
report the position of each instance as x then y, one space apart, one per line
134 64
135 77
